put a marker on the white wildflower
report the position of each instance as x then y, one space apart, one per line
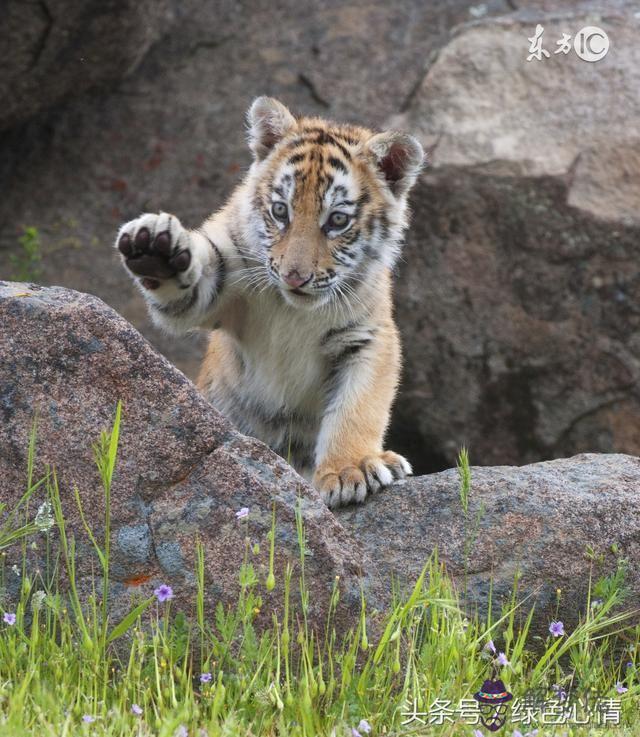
37 600
44 517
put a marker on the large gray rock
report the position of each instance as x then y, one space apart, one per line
55 49
519 292
182 472
553 525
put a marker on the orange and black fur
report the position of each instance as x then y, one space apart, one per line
293 277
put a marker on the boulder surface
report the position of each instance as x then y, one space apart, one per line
550 525
60 48
182 473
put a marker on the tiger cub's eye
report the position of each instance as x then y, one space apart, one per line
338 220
280 211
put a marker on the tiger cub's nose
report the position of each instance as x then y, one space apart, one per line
294 280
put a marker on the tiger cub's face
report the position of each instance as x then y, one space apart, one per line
328 202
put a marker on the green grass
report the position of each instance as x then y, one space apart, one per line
64 659
27 263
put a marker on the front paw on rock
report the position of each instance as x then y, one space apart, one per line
346 487
353 483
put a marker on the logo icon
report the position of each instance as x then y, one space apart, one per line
492 699
591 43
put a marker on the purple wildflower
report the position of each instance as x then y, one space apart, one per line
556 629
492 648
9 618
88 719
478 733
205 677
242 513
164 593
364 726
629 664
355 733
502 659
560 693
135 709
181 731
620 688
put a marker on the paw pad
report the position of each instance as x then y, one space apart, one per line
153 258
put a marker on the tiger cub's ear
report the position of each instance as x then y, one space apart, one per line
399 158
269 121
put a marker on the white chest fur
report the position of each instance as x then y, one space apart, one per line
281 349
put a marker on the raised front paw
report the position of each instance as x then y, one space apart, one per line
156 248
351 483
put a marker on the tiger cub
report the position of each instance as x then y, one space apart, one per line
293 277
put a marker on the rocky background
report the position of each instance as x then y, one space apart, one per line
519 292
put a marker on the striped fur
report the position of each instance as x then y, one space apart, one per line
293 277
